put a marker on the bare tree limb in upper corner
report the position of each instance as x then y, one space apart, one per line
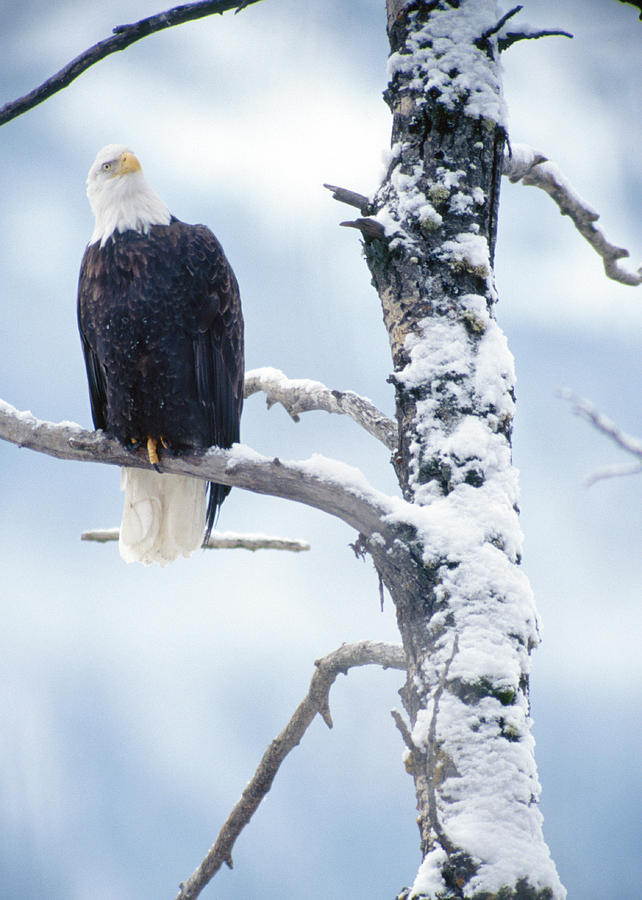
389 656
529 166
606 426
299 395
218 540
123 36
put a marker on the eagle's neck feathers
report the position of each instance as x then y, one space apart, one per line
125 203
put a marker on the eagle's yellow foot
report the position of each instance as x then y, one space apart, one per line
152 452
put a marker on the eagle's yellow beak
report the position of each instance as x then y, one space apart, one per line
128 163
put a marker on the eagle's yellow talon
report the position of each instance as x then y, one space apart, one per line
152 451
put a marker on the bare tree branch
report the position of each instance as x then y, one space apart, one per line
613 472
219 540
606 426
507 38
527 165
316 701
499 24
352 198
123 36
511 37
328 485
301 395
369 227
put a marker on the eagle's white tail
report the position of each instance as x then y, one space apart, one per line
163 516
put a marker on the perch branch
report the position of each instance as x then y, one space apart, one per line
123 36
316 701
328 485
606 426
301 395
527 165
219 540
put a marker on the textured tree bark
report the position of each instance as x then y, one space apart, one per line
464 607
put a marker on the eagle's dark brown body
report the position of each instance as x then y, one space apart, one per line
162 333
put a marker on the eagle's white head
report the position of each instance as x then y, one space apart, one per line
120 198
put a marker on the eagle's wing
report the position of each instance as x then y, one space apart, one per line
95 373
217 343
218 336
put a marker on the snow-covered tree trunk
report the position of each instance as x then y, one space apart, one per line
464 606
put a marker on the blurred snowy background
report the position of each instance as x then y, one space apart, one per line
135 703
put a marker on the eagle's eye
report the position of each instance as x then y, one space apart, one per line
106 166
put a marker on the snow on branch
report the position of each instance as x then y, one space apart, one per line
316 701
299 395
122 37
328 485
525 33
606 426
523 163
219 540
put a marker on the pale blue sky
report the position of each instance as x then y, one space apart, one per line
136 702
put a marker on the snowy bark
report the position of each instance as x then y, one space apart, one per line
466 614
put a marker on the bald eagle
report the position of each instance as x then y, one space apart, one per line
160 320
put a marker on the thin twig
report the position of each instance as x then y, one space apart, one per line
613 472
123 36
531 167
432 753
219 540
586 410
316 701
606 426
299 395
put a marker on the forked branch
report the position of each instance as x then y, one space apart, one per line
607 427
299 395
529 166
390 656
